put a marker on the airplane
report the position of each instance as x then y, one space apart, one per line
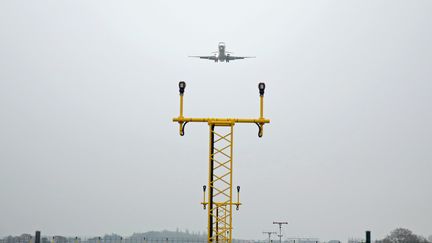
221 55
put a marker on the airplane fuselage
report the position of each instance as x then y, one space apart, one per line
221 52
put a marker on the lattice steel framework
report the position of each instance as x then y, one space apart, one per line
220 182
219 201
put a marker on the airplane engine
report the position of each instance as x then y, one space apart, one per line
227 58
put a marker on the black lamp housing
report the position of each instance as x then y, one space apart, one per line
182 86
261 87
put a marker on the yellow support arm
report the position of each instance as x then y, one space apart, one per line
221 120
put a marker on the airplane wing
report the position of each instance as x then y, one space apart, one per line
229 57
206 57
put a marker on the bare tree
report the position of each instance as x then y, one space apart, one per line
401 235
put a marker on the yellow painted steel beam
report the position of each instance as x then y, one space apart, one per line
227 121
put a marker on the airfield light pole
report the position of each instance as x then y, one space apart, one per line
269 234
280 229
219 202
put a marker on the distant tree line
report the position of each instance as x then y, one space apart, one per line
399 235
148 237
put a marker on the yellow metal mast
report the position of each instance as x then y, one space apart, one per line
220 196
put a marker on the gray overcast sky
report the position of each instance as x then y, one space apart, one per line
88 90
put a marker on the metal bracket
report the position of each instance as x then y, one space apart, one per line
260 130
182 128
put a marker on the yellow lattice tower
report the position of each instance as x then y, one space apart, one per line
220 195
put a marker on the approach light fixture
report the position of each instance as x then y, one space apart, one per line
182 86
261 87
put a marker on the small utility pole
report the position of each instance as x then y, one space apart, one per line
269 234
280 229
38 237
368 237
